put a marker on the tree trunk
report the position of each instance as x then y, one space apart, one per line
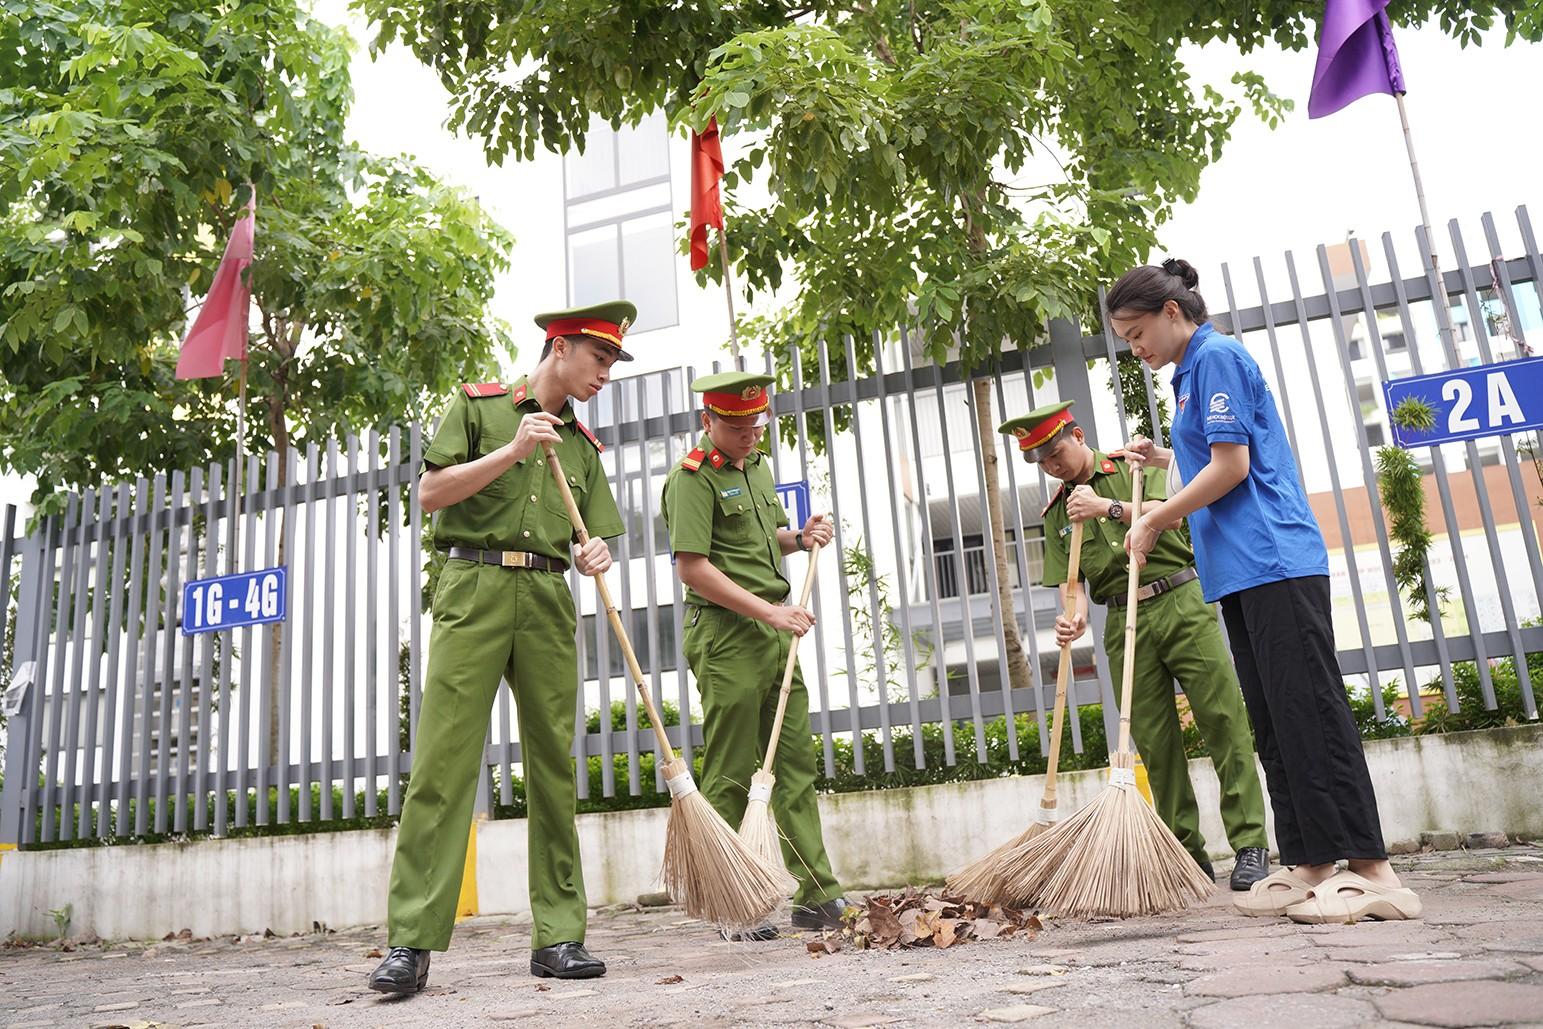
1017 662
280 432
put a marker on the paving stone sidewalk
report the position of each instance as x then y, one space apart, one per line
1475 959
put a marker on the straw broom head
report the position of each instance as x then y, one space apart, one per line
758 830
1114 858
982 879
708 870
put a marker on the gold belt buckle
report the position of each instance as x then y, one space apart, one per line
513 558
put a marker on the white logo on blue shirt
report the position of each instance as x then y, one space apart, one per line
1219 403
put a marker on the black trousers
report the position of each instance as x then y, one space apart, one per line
1282 639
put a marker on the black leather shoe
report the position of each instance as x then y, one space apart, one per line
822 916
1207 868
565 961
759 935
403 970
1252 865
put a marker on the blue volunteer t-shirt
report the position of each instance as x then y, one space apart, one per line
1262 530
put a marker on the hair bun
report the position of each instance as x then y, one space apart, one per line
1182 270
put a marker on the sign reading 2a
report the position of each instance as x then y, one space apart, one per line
1471 403
232 601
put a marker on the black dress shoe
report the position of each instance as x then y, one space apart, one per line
1253 864
403 970
565 961
758 935
1207 868
821 916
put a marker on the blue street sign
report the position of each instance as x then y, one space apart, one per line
795 500
231 601
1471 403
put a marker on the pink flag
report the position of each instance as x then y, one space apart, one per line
219 332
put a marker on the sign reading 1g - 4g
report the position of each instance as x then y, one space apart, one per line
1469 403
231 601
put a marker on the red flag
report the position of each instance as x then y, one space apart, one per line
219 332
706 204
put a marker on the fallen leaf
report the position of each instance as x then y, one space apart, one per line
375 953
542 987
670 980
943 935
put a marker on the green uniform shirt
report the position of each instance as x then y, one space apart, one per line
729 514
522 509
1105 565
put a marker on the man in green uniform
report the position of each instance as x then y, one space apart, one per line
503 611
1177 636
728 534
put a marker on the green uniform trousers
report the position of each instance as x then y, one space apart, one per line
491 624
738 664
1177 638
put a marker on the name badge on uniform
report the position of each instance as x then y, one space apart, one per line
732 491
1065 530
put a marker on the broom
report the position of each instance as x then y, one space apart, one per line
757 830
707 870
982 879
1115 857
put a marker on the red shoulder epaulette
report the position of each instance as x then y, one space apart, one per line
482 390
1053 499
1117 455
599 447
693 460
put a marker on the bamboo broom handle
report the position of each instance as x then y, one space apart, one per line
787 672
1064 666
610 607
1132 584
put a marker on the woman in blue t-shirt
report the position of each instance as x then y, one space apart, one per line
1260 553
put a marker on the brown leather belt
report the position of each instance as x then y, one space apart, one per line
1157 587
510 559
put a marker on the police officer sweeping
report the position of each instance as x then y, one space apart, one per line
503 611
729 533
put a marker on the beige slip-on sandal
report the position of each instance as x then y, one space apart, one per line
1272 895
1346 897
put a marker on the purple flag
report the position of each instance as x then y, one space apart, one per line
1356 56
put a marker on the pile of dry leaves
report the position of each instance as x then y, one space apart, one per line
921 918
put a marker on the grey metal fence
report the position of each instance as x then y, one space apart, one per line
121 726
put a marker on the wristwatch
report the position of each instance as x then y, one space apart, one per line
798 537
1116 510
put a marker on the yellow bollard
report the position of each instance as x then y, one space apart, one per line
1141 782
466 904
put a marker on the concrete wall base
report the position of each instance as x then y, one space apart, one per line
1468 782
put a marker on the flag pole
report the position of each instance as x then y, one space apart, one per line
1439 301
728 294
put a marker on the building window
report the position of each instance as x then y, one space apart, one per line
620 221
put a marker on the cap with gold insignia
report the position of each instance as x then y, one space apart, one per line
737 395
607 323
1040 427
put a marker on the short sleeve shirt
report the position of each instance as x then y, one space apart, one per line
730 515
1105 566
522 509
1263 529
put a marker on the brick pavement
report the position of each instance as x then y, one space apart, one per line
1475 959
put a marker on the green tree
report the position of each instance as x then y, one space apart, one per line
130 135
970 168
